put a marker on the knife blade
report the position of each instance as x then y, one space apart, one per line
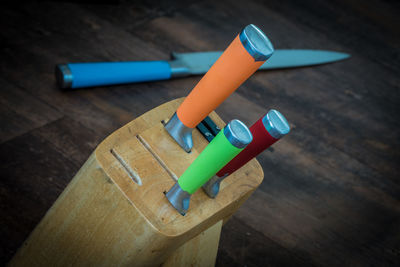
79 75
199 62
229 142
247 52
265 131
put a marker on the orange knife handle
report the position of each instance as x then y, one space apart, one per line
234 67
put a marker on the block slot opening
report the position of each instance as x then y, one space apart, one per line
131 172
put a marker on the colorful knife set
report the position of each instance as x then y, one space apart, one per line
234 145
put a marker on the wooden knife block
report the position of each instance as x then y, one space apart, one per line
114 211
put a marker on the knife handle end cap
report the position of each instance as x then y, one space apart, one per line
256 43
276 124
238 134
63 76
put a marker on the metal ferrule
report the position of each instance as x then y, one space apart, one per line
276 124
212 186
179 198
180 132
256 43
178 69
238 134
64 76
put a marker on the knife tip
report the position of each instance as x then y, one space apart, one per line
342 56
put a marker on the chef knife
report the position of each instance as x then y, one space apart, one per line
232 139
266 131
247 52
78 75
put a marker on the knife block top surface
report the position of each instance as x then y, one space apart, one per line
144 162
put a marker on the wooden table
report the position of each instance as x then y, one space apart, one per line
331 193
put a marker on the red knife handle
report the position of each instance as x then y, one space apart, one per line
266 131
261 141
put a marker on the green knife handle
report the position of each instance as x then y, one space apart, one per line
222 149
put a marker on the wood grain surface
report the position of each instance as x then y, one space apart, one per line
331 193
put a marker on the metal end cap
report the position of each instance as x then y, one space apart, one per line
276 124
256 43
63 76
238 134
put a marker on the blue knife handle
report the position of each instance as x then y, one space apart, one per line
78 75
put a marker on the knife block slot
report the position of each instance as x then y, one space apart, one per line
133 174
159 160
114 211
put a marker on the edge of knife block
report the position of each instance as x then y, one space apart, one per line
114 211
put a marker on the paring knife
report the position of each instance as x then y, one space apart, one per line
266 131
78 75
247 52
229 142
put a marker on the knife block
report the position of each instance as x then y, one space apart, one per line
114 211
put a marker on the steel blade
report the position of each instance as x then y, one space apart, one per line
200 62
195 63
291 58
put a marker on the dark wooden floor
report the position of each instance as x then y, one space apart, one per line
331 194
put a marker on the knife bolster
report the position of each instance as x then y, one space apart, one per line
180 132
178 198
114 211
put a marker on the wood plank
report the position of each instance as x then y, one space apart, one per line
22 112
73 139
341 241
33 174
243 245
